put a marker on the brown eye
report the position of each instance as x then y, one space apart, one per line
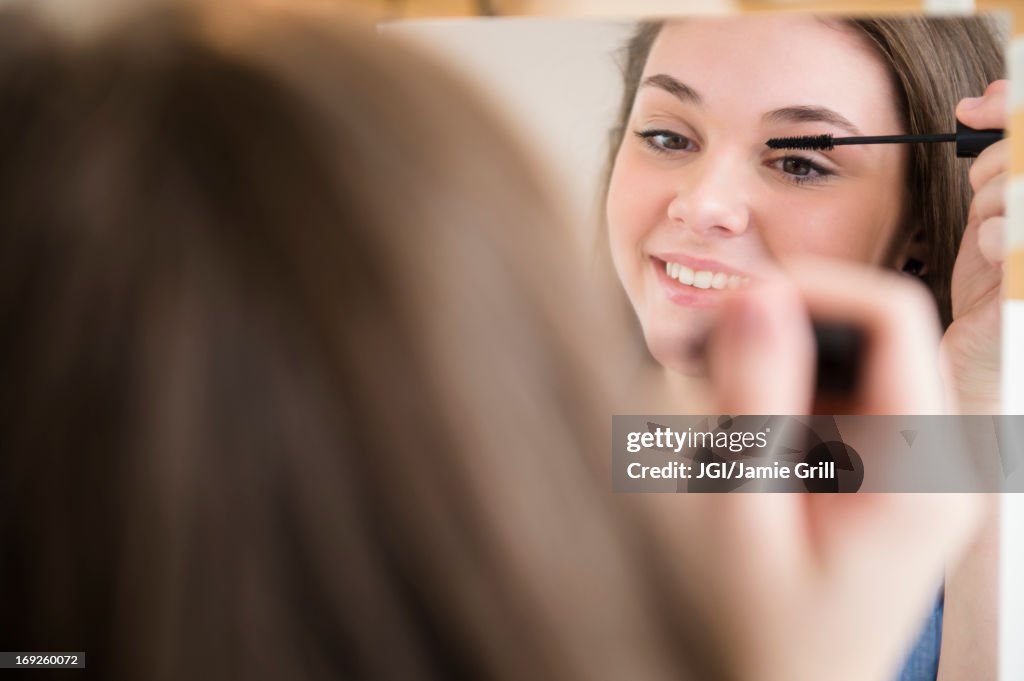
800 170
795 165
673 142
666 141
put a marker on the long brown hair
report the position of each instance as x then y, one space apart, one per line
934 62
298 382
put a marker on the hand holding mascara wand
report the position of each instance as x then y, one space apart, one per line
969 142
840 347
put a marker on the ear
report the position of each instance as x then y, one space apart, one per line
912 257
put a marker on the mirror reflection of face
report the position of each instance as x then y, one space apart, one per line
698 204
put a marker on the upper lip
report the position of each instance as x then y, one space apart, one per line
699 264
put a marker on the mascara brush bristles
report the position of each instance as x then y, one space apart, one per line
810 143
969 142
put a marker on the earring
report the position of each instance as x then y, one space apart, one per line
913 267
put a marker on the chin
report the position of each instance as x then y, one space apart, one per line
681 353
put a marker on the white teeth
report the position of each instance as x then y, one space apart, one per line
685 275
704 279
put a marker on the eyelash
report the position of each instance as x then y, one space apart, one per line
822 172
647 136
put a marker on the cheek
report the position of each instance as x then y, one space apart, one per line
635 206
850 225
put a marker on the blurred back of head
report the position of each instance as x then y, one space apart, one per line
296 382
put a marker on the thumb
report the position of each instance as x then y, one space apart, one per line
987 111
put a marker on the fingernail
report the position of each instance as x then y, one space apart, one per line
969 103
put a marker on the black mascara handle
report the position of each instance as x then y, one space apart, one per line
840 358
971 142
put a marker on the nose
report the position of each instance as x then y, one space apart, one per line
712 195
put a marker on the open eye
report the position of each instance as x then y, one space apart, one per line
794 165
799 169
666 140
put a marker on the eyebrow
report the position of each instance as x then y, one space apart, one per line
811 114
676 88
788 114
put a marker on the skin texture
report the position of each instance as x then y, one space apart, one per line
715 197
971 342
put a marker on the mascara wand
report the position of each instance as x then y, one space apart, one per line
839 347
969 142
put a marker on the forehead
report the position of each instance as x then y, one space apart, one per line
766 63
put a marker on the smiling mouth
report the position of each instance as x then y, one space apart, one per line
704 279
